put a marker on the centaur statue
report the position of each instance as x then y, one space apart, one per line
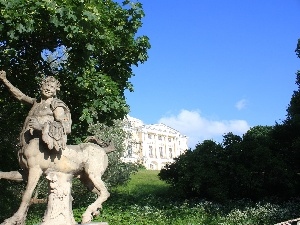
44 152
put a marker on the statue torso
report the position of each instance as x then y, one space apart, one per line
42 112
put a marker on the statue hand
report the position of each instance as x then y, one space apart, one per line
34 124
2 75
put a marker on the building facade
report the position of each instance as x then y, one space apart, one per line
152 145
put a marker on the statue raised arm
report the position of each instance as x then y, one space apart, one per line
15 91
49 117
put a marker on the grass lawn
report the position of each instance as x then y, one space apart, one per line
144 183
146 200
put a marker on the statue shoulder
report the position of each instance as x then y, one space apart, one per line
66 119
58 103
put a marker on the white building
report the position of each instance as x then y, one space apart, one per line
152 145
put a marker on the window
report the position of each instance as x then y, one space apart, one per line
128 124
129 151
159 137
169 139
150 151
149 136
170 153
161 153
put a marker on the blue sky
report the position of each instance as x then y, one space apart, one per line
216 66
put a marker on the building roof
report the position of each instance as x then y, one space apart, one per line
156 128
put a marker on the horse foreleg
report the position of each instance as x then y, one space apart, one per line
14 175
99 188
19 217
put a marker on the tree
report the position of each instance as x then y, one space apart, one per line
91 47
240 167
293 110
232 165
258 161
287 136
197 173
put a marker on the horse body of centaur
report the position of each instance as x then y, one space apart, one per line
87 161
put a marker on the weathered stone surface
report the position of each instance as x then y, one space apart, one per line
59 210
44 151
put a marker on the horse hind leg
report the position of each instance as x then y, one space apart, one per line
96 185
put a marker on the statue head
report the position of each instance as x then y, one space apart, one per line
49 86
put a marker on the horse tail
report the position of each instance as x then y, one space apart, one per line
107 146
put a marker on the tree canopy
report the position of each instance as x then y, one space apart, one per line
241 167
293 110
90 46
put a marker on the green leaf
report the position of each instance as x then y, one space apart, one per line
90 47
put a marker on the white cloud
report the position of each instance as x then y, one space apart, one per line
241 104
199 128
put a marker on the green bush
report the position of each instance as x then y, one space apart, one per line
198 172
241 167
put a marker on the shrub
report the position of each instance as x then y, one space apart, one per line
241 167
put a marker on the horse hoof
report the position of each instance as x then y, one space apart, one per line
86 218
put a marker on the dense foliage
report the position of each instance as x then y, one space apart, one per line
287 134
118 171
90 47
240 167
264 162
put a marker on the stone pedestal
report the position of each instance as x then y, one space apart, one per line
59 209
